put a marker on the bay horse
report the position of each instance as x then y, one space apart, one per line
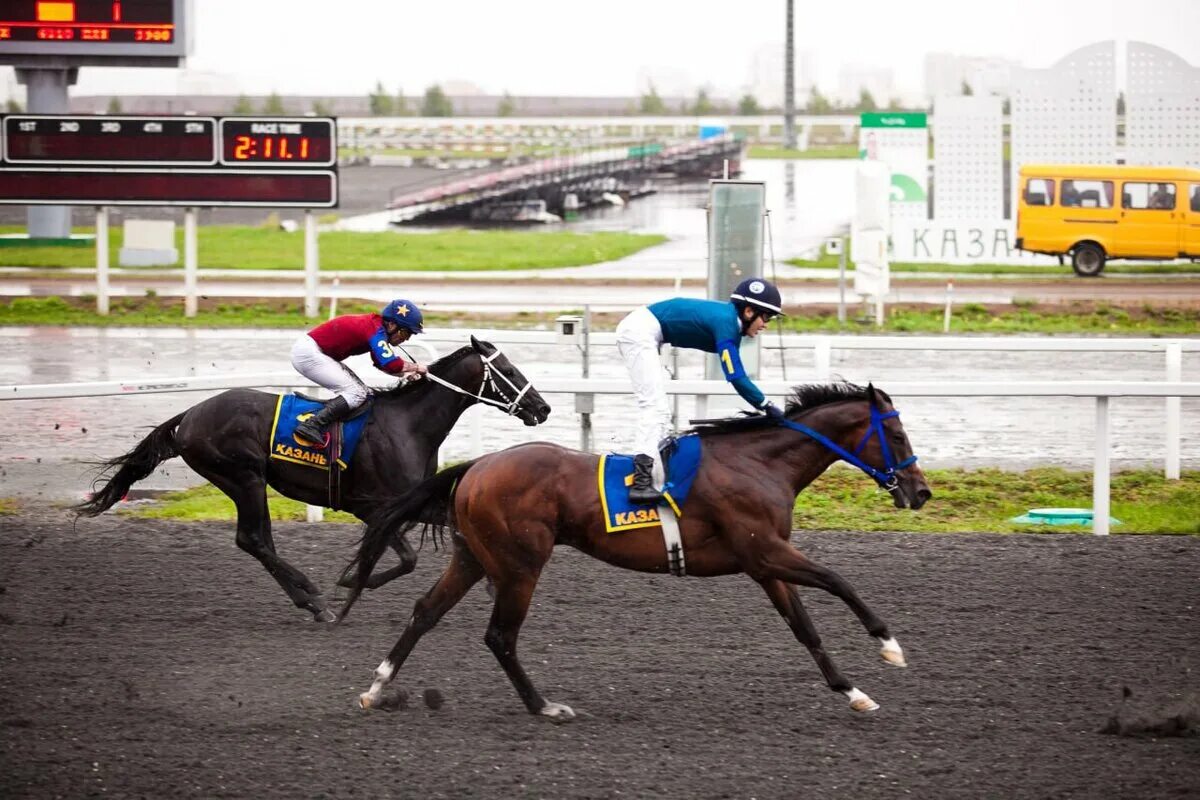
226 439
512 507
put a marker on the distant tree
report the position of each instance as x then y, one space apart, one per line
402 109
114 105
242 105
1006 109
507 107
817 102
13 106
894 104
748 106
865 101
651 103
703 105
322 108
1121 104
436 104
273 104
966 89
380 102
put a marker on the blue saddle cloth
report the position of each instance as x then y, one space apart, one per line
615 476
286 446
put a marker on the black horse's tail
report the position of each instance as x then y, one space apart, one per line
131 468
428 503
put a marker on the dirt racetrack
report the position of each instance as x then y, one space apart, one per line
153 659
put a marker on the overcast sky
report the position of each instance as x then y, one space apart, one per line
565 47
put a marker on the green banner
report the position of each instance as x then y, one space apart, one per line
898 119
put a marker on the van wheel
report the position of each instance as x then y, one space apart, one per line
1087 260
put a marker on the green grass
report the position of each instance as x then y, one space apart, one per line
827 261
8 506
827 151
1080 317
984 500
843 499
267 247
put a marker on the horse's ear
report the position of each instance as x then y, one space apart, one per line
476 345
873 396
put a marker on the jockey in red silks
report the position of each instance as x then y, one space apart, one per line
318 356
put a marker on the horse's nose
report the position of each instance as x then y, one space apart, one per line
543 411
923 496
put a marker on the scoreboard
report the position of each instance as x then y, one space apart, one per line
168 160
95 32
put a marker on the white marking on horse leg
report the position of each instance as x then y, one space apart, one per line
891 652
557 712
383 675
860 702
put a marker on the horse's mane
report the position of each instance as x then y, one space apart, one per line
804 397
438 368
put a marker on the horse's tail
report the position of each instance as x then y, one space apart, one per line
428 503
131 468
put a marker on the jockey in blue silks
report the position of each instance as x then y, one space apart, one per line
709 325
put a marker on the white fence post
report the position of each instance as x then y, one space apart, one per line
1100 474
1175 374
190 303
102 261
312 265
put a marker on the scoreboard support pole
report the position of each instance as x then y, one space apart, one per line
190 303
102 261
46 93
312 265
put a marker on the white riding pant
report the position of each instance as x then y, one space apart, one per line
639 337
312 363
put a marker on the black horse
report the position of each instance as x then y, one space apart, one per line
226 439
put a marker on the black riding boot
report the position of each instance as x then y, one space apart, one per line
643 492
313 428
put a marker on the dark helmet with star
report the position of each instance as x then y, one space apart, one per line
403 313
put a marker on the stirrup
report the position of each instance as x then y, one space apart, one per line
653 498
316 444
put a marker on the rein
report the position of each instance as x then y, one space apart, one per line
886 478
489 382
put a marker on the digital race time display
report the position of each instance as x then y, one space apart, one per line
293 142
168 160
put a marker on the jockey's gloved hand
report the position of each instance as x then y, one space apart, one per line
771 410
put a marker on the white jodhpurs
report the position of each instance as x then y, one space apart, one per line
639 337
322 370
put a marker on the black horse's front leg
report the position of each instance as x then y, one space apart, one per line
408 562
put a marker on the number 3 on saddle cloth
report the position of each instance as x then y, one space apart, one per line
615 476
286 446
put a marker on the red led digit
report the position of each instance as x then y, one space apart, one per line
239 151
283 148
304 147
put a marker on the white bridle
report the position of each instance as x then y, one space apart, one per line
510 407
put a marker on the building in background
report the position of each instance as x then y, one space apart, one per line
945 74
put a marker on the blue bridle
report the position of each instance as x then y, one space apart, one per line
885 477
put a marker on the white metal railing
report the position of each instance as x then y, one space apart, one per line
1102 391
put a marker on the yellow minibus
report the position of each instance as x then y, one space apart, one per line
1095 213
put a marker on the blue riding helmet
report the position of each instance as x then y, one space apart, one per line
760 294
403 313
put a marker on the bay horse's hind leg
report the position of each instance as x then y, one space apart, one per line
786 563
463 572
787 603
248 491
513 595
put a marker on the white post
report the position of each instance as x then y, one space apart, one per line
333 297
312 264
190 302
102 261
949 302
822 359
1100 475
1174 374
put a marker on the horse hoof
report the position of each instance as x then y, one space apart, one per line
364 701
892 653
557 712
324 615
860 702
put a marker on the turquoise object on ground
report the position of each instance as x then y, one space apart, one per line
1059 516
